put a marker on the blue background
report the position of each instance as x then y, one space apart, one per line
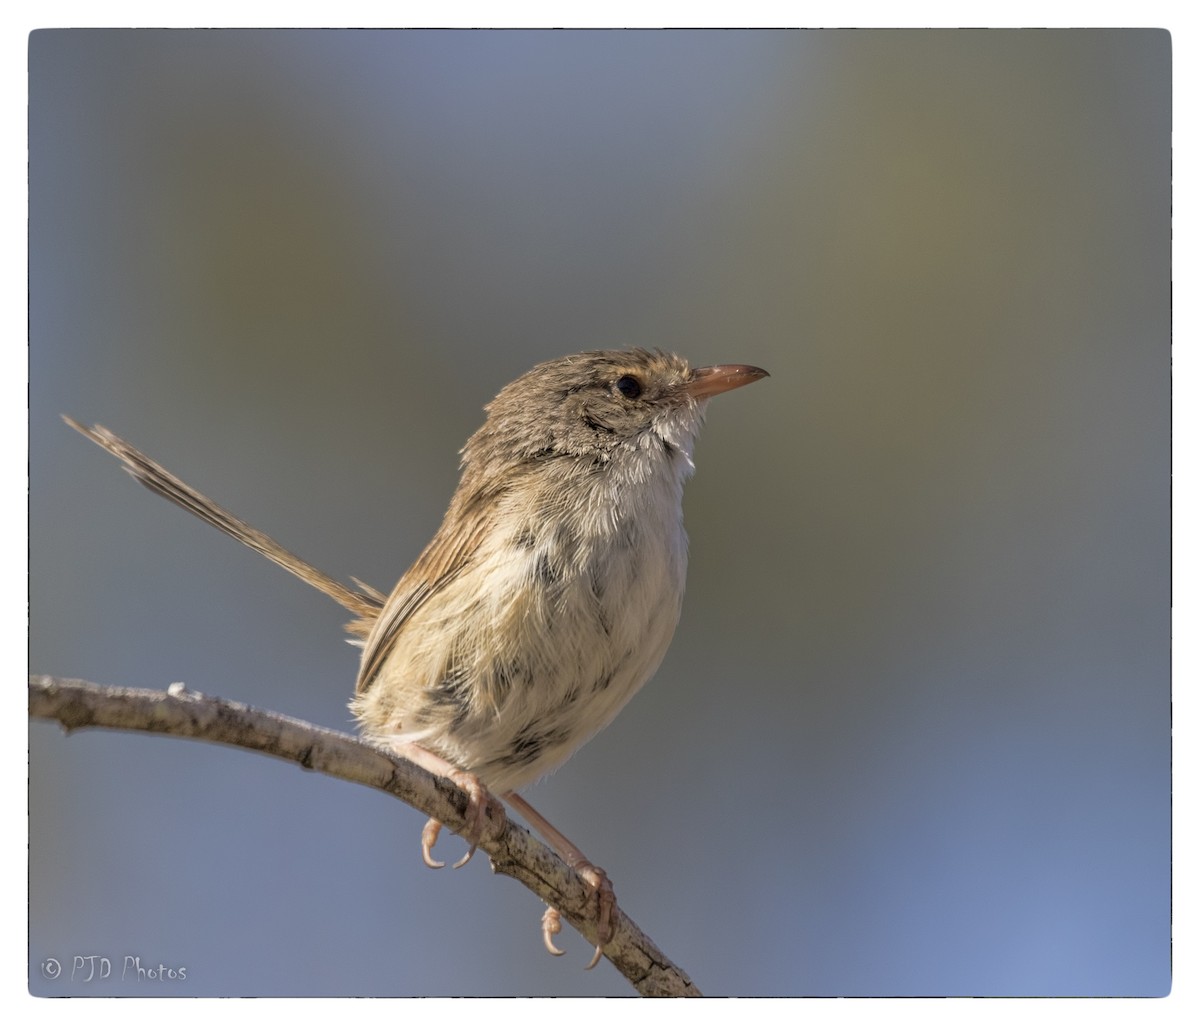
913 736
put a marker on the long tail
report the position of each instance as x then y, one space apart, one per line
363 600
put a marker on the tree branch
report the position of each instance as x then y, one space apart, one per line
513 850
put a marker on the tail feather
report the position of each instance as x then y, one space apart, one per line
363 601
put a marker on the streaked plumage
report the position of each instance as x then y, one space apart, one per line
553 588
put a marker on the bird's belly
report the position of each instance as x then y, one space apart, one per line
588 643
549 647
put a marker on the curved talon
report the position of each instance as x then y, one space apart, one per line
593 877
429 836
551 924
606 901
476 813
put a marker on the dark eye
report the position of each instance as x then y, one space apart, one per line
628 386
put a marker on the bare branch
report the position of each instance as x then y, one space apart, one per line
513 850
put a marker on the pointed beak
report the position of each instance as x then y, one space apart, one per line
709 381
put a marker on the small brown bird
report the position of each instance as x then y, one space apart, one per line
550 593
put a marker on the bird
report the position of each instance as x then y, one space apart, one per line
546 599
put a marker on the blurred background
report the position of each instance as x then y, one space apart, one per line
913 736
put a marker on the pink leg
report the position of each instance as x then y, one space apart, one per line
593 876
476 814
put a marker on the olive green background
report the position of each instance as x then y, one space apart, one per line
913 736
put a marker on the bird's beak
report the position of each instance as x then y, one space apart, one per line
709 381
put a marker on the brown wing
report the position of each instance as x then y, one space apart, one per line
445 557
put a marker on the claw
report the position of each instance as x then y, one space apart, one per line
595 878
478 800
476 814
606 901
476 817
429 836
551 924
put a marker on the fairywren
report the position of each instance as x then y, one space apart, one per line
548 596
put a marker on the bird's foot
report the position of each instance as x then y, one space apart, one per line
478 800
593 876
606 903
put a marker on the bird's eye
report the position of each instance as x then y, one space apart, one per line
628 386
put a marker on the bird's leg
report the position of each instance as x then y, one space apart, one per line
477 803
593 876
